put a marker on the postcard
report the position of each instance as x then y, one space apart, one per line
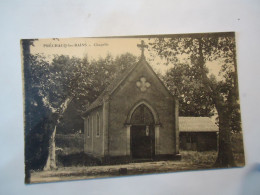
117 106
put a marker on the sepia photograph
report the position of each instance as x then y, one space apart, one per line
100 107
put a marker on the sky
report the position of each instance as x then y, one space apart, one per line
96 48
100 47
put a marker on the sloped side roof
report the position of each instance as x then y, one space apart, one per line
197 124
117 81
111 87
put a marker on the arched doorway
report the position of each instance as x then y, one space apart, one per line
142 133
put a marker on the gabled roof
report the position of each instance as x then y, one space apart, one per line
115 83
197 124
111 87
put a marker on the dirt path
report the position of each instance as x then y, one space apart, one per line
75 173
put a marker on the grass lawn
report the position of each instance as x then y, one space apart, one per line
76 166
191 160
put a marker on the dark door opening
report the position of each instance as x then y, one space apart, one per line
142 142
142 133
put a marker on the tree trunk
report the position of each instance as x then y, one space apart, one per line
225 155
51 160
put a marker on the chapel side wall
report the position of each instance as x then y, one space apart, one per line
88 140
98 139
126 97
93 142
85 135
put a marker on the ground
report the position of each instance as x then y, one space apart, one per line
191 160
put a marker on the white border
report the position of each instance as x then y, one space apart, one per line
40 19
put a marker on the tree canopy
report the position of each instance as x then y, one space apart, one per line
57 91
194 98
204 68
221 86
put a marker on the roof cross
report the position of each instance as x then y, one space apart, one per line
142 46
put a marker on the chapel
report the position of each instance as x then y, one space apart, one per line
134 119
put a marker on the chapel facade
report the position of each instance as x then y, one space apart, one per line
134 119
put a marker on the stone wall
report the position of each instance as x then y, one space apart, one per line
126 97
94 143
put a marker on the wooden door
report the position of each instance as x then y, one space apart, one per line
142 142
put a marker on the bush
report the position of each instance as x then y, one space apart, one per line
71 143
202 158
69 149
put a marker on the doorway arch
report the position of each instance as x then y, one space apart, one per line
152 110
142 127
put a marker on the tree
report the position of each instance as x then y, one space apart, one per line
200 49
194 100
101 72
74 79
36 115
62 80
57 84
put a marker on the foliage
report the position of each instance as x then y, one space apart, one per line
101 73
57 91
197 93
194 98
198 50
72 78
205 159
37 117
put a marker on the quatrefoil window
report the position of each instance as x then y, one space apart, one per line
143 84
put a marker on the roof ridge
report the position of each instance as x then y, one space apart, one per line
112 86
118 80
